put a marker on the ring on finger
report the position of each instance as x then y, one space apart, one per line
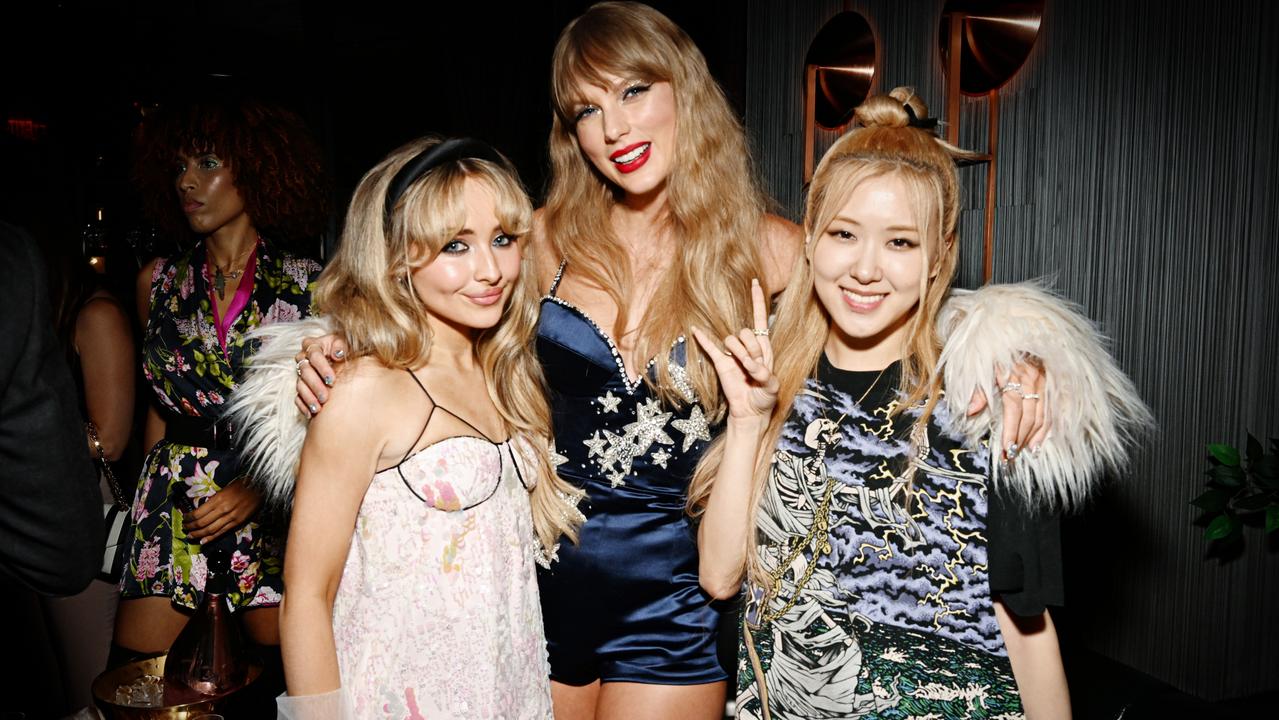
760 333
1011 387
1030 396
300 363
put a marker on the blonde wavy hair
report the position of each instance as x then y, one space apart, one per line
884 144
367 293
715 207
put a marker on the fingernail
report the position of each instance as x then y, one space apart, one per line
339 354
323 398
1012 451
755 282
313 408
328 380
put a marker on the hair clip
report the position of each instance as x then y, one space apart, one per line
928 123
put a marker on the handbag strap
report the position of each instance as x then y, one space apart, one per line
117 494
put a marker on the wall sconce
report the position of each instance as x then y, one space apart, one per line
838 71
983 45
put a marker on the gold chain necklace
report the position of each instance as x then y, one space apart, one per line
220 277
821 527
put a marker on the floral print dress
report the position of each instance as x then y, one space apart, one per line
191 361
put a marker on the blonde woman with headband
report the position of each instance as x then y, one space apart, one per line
424 492
895 564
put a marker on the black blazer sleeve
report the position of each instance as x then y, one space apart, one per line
51 528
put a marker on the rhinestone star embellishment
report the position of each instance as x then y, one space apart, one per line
596 444
609 402
694 428
661 457
553 455
679 377
649 427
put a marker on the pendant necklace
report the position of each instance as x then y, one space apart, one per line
220 277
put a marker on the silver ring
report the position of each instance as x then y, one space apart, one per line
761 333
1011 387
299 365
1030 396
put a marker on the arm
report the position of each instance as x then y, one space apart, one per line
153 431
722 536
745 368
1036 660
105 346
339 458
783 246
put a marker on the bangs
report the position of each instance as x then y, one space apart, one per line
439 206
596 46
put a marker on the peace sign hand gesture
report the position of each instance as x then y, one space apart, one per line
745 364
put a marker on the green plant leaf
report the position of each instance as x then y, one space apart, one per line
1225 454
1228 475
1266 470
1254 502
1255 451
1272 518
1213 500
1220 527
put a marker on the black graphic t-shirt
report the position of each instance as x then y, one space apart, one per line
873 534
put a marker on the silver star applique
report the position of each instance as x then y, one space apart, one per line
649 427
609 402
616 459
679 377
694 428
553 455
596 444
661 457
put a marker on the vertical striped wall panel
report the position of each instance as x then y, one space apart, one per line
1139 170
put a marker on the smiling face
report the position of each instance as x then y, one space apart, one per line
626 129
207 193
467 284
868 272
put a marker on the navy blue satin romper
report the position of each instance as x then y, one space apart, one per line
624 604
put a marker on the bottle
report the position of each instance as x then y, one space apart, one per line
209 655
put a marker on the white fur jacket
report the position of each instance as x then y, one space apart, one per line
1095 410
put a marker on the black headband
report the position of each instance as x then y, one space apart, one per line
431 158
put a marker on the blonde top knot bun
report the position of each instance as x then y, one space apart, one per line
889 111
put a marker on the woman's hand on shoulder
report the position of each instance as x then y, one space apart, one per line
319 363
744 364
1027 417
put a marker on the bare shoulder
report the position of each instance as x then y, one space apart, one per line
783 243
102 315
374 406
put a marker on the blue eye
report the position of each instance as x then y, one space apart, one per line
635 90
455 247
584 113
504 240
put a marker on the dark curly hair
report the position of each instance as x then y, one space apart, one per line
273 158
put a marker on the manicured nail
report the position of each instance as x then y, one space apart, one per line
313 408
328 380
1012 451
322 398
339 354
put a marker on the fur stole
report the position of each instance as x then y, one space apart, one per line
1096 412
269 427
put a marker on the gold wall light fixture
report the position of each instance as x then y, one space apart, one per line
983 45
838 72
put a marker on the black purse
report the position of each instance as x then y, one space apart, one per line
115 515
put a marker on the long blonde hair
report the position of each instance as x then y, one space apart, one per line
885 144
367 292
715 206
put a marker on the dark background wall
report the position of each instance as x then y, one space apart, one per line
1139 170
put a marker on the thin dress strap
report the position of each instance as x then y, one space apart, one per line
559 275
424 425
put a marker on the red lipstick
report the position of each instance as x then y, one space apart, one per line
635 162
